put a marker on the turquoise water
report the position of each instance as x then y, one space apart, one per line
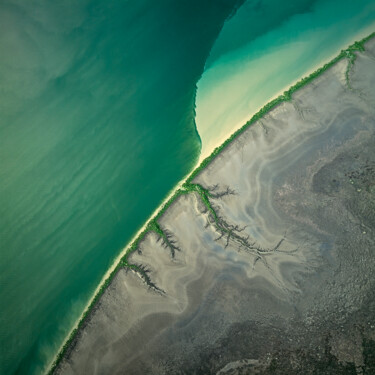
96 126
264 49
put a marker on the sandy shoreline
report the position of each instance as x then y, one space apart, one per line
222 139
178 186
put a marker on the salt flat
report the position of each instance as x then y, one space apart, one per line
290 286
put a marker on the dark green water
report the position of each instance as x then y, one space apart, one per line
96 126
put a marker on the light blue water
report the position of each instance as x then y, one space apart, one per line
264 49
96 126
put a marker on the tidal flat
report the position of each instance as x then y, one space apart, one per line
281 281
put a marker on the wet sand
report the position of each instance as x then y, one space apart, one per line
290 287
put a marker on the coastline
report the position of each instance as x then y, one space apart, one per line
121 259
107 278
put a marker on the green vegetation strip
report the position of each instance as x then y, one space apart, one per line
189 187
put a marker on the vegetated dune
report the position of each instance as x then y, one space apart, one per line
282 280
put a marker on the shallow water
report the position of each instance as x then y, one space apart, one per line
263 50
96 126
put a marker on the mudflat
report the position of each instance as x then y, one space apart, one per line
281 281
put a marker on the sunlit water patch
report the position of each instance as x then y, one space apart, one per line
250 63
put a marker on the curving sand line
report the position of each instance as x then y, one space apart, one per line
216 140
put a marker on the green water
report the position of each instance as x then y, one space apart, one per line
96 126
